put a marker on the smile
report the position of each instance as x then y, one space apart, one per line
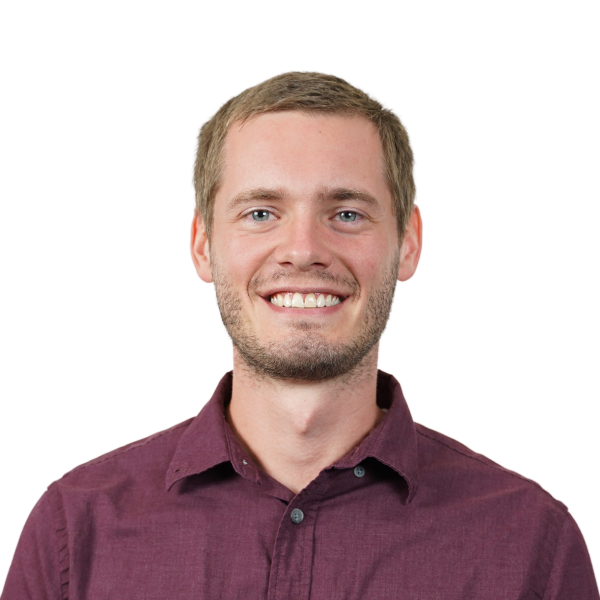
305 312
298 300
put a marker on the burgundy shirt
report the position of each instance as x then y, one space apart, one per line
409 514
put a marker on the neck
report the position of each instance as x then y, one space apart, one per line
295 429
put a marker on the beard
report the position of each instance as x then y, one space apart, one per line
307 355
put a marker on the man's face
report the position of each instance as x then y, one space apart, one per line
304 247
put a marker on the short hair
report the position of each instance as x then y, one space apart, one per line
309 93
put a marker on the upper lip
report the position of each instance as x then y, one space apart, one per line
303 289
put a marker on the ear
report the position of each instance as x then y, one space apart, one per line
410 251
199 248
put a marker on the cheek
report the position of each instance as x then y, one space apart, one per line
239 257
369 259
379 265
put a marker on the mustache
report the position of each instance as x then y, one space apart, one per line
295 281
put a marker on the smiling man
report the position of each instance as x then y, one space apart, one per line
304 476
304 248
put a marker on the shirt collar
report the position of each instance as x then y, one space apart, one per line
209 441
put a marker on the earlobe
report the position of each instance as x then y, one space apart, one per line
410 252
199 250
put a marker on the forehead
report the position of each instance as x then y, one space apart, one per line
300 152
285 129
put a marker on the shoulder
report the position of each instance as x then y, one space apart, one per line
521 523
143 460
454 474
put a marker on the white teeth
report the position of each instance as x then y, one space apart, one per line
311 300
297 301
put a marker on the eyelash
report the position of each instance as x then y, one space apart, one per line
337 214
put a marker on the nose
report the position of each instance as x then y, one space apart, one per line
303 245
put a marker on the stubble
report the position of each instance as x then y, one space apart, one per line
306 355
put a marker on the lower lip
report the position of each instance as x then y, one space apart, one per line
326 310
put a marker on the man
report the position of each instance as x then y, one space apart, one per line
304 476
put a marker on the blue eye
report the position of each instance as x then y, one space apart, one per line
260 211
265 213
347 216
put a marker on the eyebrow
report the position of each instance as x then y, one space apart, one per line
324 195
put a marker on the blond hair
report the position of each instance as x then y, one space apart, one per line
311 93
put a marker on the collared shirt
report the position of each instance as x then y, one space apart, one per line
409 513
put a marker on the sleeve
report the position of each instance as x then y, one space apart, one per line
35 572
572 575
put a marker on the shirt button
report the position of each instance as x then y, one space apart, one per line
359 471
297 516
